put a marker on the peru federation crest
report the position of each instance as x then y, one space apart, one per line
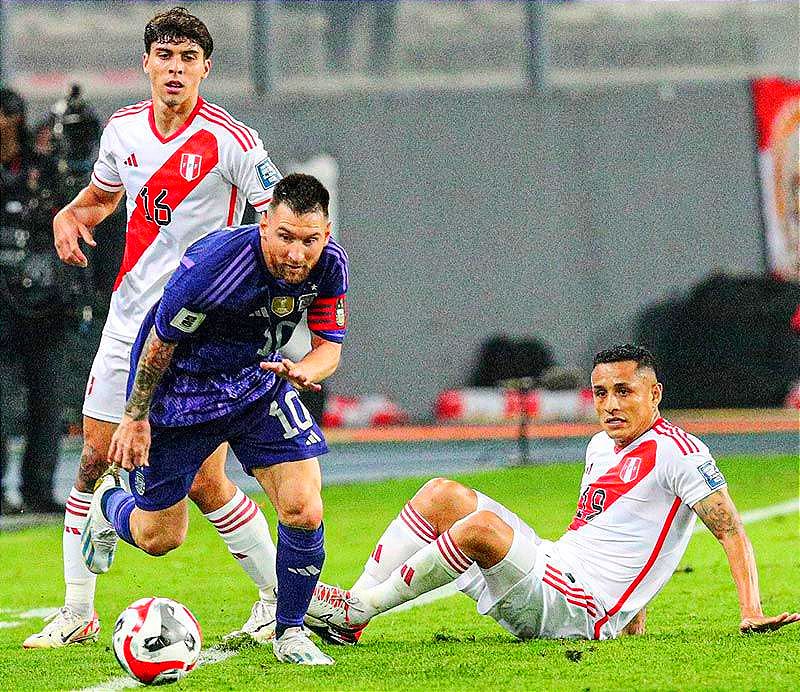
630 469
190 166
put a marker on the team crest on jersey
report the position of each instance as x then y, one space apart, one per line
341 312
282 305
305 300
630 469
190 166
267 173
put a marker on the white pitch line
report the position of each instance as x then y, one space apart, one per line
26 615
37 613
207 658
781 509
216 655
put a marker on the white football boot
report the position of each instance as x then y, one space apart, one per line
294 646
261 623
331 613
99 537
65 627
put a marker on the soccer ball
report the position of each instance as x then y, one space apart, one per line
157 640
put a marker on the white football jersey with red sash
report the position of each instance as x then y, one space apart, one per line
179 188
634 517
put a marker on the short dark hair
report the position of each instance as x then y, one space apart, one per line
617 354
175 26
302 193
11 103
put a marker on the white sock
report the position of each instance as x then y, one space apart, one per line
79 581
407 533
433 566
243 527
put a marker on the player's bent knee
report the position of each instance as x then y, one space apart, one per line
301 515
158 546
442 502
483 536
155 542
437 489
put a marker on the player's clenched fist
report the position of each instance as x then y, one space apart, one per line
130 445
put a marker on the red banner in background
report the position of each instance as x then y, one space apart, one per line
777 111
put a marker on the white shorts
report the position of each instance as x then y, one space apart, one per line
104 398
529 592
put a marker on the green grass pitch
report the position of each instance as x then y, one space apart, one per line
692 640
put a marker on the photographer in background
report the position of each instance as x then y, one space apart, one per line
37 296
70 134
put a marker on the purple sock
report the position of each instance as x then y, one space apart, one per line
299 562
117 506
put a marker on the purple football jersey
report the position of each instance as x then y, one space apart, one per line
227 313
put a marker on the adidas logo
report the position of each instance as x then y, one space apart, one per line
309 571
261 312
131 161
312 439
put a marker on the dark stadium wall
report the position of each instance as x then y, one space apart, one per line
469 214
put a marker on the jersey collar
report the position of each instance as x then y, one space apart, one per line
617 450
151 118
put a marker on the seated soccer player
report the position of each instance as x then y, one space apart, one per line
644 482
205 370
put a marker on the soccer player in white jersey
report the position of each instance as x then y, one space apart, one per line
187 167
644 482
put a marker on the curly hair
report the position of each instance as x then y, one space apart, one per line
175 26
302 193
617 354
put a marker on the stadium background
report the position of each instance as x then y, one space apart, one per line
560 171
549 170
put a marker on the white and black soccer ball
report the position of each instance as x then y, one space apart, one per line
157 640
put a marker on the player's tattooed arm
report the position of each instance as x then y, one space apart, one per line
154 360
719 514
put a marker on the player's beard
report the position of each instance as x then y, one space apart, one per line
293 276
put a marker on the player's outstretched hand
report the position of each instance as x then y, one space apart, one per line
130 445
767 624
66 231
293 373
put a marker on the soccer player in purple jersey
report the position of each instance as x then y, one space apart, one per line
205 370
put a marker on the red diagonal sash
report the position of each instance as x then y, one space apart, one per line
142 231
615 482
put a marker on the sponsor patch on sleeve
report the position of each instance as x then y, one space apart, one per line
712 475
268 175
187 321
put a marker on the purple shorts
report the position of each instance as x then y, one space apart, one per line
273 429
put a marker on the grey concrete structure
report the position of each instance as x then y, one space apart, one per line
471 213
